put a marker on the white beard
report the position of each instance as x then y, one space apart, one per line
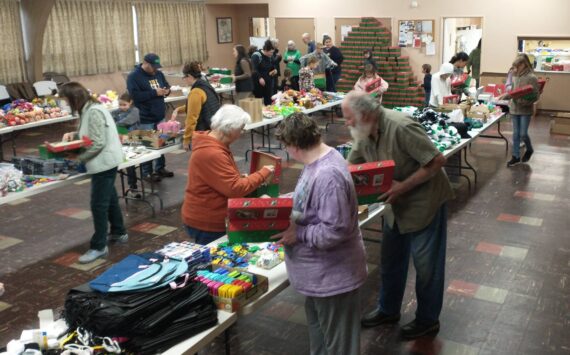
361 131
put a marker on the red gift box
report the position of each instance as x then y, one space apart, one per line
522 91
372 179
258 161
374 85
257 219
460 80
73 145
451 99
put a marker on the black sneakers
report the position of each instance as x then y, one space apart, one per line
527 155
163 173
514 161
416 329
377 317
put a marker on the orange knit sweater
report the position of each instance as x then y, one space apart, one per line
213 177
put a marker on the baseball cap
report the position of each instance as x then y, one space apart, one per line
153 60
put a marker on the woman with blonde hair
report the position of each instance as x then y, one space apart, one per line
520 108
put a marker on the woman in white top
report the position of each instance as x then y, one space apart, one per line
441 85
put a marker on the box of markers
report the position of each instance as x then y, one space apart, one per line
252 287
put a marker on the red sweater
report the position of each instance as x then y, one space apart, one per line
213 177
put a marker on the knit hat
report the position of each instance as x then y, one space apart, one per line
446 68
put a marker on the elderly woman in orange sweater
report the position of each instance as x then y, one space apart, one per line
213 176
371 82
202 103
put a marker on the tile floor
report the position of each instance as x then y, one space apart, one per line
507 272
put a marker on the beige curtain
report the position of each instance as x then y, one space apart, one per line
12 58
174 31
89 37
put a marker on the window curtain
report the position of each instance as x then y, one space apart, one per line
89 37
12 58
174 31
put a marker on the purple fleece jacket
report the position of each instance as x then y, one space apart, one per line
328 258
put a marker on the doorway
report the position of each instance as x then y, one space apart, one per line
460 34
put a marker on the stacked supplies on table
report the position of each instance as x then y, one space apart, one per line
148 301
442 134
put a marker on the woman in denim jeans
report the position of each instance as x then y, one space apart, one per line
521 108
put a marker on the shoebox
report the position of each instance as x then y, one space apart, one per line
495 89
255 220
451 99
523 91
47 154
373 86
463 80
234 304
59 147
371 180
258 161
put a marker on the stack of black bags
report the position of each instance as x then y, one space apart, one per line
151 318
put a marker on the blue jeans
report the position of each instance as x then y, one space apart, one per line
520 131
159 163
203 237
105 208
427 248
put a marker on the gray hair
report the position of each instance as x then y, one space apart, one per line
230 118
306 34
362 104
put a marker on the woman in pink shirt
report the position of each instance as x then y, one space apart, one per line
371 82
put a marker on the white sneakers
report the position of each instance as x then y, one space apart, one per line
91 255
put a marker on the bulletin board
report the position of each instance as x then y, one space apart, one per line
416 33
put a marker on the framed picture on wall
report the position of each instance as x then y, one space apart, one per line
224 25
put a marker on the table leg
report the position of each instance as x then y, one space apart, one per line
500 136
227 340
469 166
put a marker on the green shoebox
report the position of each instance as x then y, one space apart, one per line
226 80
122 130
368 199
269 189
251 236
46 154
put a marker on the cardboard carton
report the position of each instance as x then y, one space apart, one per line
152 139
371 180
254 107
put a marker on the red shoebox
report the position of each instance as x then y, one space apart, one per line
451 99
372 179
373 85
460 80
258 161
73 145
254 220
522 91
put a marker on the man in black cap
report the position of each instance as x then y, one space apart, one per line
148 88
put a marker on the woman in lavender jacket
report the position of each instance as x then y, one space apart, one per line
324 251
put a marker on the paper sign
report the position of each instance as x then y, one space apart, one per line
430 48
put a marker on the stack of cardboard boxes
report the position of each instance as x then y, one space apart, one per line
404 88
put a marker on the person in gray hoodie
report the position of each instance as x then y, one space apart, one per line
101 159
520 109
